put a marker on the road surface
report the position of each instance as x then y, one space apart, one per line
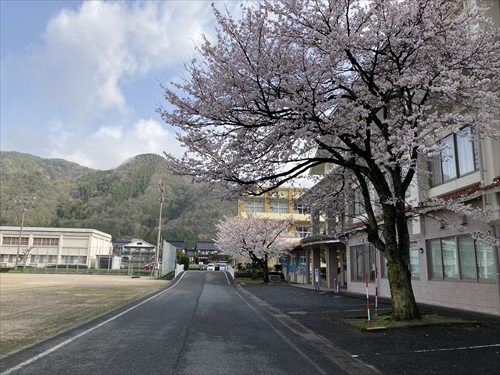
201 323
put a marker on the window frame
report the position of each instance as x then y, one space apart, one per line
250 205
453 159
279 207
303 233
367 266
463 270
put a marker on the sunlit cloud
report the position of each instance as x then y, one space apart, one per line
110 146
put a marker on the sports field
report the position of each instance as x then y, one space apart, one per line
36 306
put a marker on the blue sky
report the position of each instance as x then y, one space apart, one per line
79 80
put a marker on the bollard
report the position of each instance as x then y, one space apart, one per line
367 300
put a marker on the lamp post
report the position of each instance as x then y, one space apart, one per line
24 201
157 253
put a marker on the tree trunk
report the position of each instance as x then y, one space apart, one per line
265 269
404 306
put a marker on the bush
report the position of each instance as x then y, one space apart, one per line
184 260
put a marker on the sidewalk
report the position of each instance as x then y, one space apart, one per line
486 318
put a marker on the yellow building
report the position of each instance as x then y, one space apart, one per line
282 203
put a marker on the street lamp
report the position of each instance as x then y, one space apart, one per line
24 201
157 254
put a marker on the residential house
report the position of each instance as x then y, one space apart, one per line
207 252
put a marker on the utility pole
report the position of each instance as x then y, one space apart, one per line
24 201
157 254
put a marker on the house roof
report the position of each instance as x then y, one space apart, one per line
178 244
137 243
205 245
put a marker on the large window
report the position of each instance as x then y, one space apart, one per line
45 241
300 209
301 231
359 205
253 205
15 241
278 207
457 159
460 258
414 265
362 262
414 262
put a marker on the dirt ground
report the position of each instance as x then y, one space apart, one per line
36 306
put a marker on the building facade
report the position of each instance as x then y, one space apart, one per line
46 247
448 267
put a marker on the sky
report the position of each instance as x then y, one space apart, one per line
80 80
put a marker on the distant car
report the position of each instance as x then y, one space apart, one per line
201 267
210 267
217 266
222 266
149 266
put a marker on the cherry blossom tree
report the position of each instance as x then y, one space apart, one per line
368 86
255 238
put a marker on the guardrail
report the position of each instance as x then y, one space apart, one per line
179 269
230 270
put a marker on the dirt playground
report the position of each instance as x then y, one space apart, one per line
36 306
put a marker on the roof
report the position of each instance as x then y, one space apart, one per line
55 231
137 243
205 245
178 244
313 241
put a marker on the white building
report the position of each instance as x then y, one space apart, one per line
54 246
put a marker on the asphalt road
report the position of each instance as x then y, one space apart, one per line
456 349
201 323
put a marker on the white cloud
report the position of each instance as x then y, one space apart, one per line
91 52
110 146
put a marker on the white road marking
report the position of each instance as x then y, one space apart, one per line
458 348
444 349
64 343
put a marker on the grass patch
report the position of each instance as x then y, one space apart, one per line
249 281
386 321
257 281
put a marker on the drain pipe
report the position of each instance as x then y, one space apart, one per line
496 249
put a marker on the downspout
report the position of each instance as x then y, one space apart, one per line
496 249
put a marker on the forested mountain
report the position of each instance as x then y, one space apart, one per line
123 202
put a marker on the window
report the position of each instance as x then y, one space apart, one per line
359 207
362 262
278 207
383 267
300 209
37 241
254 205
414 265
15 241
301 231
457 159
460 258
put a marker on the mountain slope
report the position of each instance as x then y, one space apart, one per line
123 202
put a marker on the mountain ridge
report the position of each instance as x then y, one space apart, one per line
123 201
